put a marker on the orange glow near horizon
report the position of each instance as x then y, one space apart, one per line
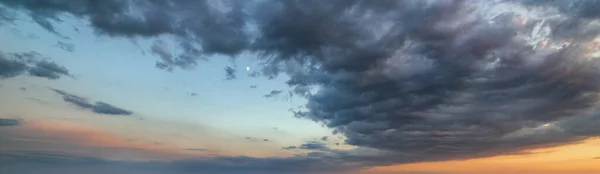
577 158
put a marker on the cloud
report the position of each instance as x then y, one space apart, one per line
169 59
7 16
324 138
9 122
290 147
48 70
230 73
313 145
14 64
98 107
405 81
10 68
577 8
65 46
431 91
254 74
253 86
273 93
207 28
597 158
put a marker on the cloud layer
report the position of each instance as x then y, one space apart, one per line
61 163
405 81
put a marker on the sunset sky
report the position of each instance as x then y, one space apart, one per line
299 86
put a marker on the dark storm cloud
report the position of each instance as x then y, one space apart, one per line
402 79
14 64
587 9
201 27
65 46
98 107
230 73
9 122
273 93
411 80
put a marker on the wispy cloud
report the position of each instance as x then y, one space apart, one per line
98 107
273 93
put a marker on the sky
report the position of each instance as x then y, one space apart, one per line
302 87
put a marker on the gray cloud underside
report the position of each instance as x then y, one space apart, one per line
98 107
14 64
9 122
420 80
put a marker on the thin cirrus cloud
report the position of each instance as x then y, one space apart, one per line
97 107
404 81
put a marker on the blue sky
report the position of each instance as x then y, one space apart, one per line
121 73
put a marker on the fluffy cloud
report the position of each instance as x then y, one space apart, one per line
14 64
98 107
411 81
